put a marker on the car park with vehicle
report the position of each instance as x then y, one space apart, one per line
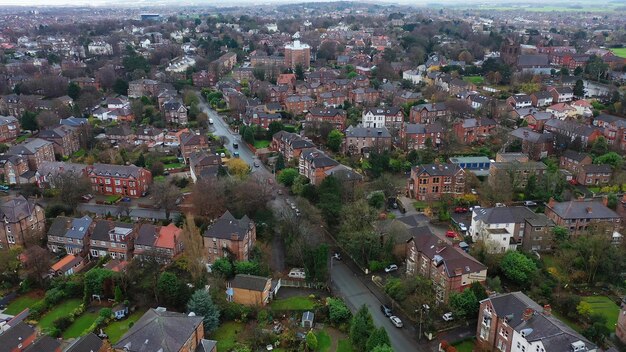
390 268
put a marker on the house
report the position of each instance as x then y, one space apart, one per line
229 237
537 119
35 150
541 98
516 173
115 239
142 87
538 235
478 165
299 104
87 343
594 175
287 79
65 140
335 117
428 113
23 222
290 145
414 76
561 111
123 180
514 322
562 94
474 129
203 165
448 267
536 145
364 96
574 161
391 117
70 234
250 290
518 101
577 215
583 108
534 63
175 112
500 228
160 330
162 243
569 131
362 140
226 62
204 79
264 119
68 265
613 129
313 165
9 128
12 167
191 143
432 181
18 337
416 135
332 99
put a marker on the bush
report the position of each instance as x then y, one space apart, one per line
63 323
54 332
235 311
38 309
54 296
106 313
375 265
338 312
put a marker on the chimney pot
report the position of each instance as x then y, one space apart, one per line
528 313
547 309
605 200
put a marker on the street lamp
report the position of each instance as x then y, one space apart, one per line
426 308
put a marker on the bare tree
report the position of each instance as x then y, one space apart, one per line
165 196
37 263
212 206
194 248
70 187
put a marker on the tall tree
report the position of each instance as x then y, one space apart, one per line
579 89
299 72
73 90
194 249
165 195
70 187
361 327
334 140
202 305
378 337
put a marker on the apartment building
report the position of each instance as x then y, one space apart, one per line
9 128
124 180
429 113
335 117
363 140
160 242
432 181
501 228
391 117
314 163
229 237
35 150
290 145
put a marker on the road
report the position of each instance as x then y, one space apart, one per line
348 286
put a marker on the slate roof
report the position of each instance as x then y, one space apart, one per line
227 225
249 282
318 158
533 60
16 209
59 226
13 337
483 121
146 235
86 343
123 171
503 215
204 345
446 254
103 227
430 107
79 227
542 95
44 344
328 112
419 128
597 169
583 210
31 146
438 169
367 132
526 134
389 111
159 331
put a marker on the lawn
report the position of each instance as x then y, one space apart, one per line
345 346
474 79
173 166
226 335
621 52
465 346
159 178
323 341
116 329
293 303
112 199
19 304
63 309
420 206
79 325
606 307
261 144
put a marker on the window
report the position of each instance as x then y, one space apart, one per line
117 182
11 239
94 253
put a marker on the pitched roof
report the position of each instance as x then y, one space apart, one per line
438 169
598 169
123 171
249 282
367 132
227 226
59 226
44 344
582 210
503 215
66 262
86 343
159 330
14 336
80 227
16 209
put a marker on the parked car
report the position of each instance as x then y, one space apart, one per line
236 154
448 316
462 227
87 197
530 203
210 121
460 210
126 199
297 273
396 321
390 268
222 155
500 205
235 145
473 191
256 164
386 311
450 234
337 256
4 188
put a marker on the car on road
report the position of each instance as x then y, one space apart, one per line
222 155
500 205
87 197
210 121
450 234
448 316
474 208
4 188
256 164
126 199
337 256
235 145
530 203
473 191
396 321
386 311
460 210
390 268
462 227
236 154
293 206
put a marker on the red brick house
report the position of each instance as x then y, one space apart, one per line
115 239
175 112
290 145
577 215
18 337
431 181
364 96
263 119
415 135
613 129
35 150
230 237
12 167
191 143
428 113
314 163
124 180
65 140
594 175
161 242
332 99
287 79
203 79
448 267
23 222
574 161
336 117
278 94
298 104
474 129
9 128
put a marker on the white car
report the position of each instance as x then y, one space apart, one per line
297 273
471 209
500 205
396 321
530 203
462 227
391 268
448 316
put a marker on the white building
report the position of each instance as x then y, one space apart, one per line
100 48
414 76
500 228
382 117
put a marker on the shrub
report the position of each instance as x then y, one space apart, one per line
375 265
54 296
63 323
338 312
54 332
105 313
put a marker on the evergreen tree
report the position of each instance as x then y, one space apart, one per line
579 89
360 328
378 337
202 305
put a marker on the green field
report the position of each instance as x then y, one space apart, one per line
19 304
116 329
606 307
293 303
621 52
345 346
46 322
261 144
465 346
226 335
474 79
323 341
79 325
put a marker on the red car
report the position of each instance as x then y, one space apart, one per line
460 210
450 234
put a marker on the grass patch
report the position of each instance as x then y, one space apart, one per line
293 303
61 310
116 329
112 199
22 138
606 307
173 166
160 178
79 154
19 304
226 335
567 321
323 341
420 206
261 144
79 325
474 79
465 346
621 52
345 346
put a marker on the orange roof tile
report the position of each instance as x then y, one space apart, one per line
63 262
167 236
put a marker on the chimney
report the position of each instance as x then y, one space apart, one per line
458 271
547 309
605 200
551 202
528 313
589 210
